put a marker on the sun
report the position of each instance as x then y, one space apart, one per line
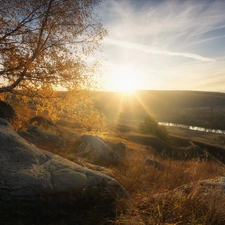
125 79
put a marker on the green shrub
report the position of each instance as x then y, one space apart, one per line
151 126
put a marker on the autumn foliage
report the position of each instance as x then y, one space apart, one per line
44 45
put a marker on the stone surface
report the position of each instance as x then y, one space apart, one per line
99 169
202 191
40 120
95 150
45 124
37 181
6 111
39 137
199 202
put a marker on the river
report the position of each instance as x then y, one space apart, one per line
202 129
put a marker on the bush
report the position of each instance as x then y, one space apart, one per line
150 126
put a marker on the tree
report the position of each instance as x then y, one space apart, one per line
43 41
43 44
150 126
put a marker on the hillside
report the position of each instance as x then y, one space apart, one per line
166 182
205 109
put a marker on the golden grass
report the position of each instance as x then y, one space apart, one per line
143 182
210 138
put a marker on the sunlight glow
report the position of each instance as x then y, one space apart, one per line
125 79
179 48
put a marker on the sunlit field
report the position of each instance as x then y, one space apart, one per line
143 182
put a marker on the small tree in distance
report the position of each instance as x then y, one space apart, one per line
150 126
43 47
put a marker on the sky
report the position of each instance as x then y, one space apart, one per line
163 45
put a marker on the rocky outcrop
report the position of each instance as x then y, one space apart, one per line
95 150
202 201
34 181
45 124
39 137
6 111
203 191
99 169
40 120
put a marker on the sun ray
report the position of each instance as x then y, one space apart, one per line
142 104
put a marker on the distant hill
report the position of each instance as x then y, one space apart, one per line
185 107
183 99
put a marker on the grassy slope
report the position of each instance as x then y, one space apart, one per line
143 182
210 138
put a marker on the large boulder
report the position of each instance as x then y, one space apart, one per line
202 190
35 182
41 138
200 202
99 169
45 124
96 151
6 111
40 120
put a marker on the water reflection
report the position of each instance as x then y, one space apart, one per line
202 129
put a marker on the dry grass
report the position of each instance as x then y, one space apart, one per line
143 182
210 138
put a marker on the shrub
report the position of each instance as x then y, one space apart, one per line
150 126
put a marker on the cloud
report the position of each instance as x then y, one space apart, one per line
164 23
208 39
147 49
169 33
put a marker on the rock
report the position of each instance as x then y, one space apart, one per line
202 201
96 151
46 124
121 149
99 169
43 139
40 120
155 164
4 122
7 112
202 191
35 182
93 167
